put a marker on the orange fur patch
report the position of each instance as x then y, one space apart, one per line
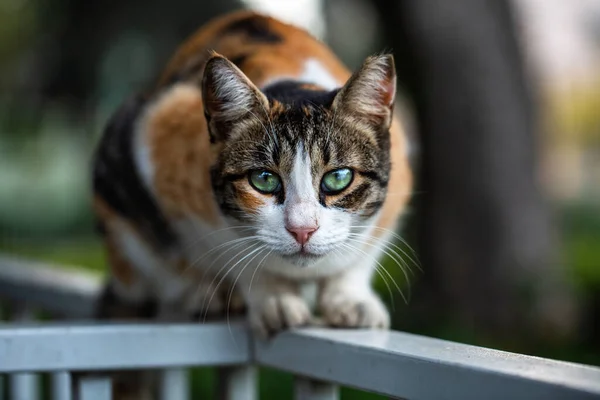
400 182
181 154
264 61
250 200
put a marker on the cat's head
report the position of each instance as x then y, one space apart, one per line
305 168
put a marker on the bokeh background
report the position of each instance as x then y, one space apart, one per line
500 99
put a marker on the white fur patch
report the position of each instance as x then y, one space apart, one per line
151 267
301 200
314 72
142 157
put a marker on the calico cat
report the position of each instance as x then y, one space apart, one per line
256 170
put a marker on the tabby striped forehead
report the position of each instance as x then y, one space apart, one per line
304 131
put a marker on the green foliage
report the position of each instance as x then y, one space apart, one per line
580 225
18 21
83 253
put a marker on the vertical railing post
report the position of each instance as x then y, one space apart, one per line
23 386
2 379
174 384
61 386
237 383
92 387
308 389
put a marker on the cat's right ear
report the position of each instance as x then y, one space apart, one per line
370 92
229 97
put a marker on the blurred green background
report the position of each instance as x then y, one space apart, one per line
66 65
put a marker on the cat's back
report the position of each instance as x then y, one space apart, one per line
264 48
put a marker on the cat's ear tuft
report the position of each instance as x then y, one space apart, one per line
229 97
370 92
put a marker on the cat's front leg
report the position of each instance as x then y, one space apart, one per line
347 300
275 304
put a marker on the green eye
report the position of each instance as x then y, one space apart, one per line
264 181
337 180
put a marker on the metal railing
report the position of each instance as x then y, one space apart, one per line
391 363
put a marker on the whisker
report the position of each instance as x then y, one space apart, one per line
380 273
393 258
220 246
387 246
417 263
234 246
207 269
225 275
383 278
196 240
256 269
230 294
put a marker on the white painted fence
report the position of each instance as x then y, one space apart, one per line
395 364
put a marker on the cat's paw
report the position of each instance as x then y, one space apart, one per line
277 312
346 310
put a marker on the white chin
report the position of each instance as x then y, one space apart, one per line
302 259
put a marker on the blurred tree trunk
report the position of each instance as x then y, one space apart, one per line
485 237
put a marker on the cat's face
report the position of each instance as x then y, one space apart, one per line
304 174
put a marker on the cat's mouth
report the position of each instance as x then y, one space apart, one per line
302 257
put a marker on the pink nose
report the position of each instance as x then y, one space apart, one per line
302 234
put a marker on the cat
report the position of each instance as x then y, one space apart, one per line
256 171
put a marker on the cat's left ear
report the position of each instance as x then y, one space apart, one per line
229 97
370 92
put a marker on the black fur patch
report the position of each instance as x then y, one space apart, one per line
239 59
355 198
373 175
256 27
371 208
117 182
294 94
111 306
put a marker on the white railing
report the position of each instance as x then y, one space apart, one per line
392 363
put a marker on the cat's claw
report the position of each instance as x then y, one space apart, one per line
345 310
275 313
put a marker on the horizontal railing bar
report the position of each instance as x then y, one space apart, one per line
58 290
119 346
391 363
416 367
